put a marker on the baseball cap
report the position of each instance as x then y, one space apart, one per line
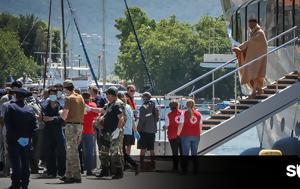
68 83
22 92
112 91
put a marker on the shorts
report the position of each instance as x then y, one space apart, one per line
146 141
128 140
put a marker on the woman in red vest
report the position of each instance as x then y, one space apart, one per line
172 122
190 131
189 134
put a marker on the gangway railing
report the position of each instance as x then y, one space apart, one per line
239 123
225 64
247 64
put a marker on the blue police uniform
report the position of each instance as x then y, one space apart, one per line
54 142
21 123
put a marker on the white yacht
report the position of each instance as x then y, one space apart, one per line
275 17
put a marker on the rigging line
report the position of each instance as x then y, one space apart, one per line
140 48
83 45
47 46
68 27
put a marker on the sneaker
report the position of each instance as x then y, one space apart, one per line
117 176
77 180
103 173
69 180
63 178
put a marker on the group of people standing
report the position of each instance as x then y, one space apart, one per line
53 128
183 129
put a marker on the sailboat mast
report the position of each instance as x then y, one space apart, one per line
63 39
47 46
103 46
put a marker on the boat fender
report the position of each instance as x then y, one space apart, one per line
251 151
288 146
270 152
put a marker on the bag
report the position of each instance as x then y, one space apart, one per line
99 121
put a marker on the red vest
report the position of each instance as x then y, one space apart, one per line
191 127
174 118
131 102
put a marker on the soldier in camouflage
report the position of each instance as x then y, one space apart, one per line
113 120
73 112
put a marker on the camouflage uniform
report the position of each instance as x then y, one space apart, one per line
111 152
112 155
73 135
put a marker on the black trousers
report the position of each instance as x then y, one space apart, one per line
55 147
19 158
176 150
127 158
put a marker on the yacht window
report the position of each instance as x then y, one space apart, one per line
271 28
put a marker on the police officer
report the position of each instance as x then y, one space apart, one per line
4 101
111 141
20 122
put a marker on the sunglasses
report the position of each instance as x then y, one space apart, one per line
132 90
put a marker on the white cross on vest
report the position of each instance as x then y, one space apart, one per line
177 119
193 119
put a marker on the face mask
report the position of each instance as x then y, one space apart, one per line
53 98
13 98
66 92
59 94
35 96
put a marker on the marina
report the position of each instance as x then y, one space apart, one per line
203 99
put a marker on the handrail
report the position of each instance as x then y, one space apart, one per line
223 65
237 69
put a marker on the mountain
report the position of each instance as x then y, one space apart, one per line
89 15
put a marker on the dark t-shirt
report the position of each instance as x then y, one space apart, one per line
100 101
111 117
58 122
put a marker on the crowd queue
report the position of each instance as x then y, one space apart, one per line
55 132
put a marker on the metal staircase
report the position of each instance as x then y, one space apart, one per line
228 123
244 104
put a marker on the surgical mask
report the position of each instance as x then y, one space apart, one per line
35 96
59 94
53 98
13 98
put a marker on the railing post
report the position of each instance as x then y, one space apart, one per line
235 93
159 122
294 46
213 92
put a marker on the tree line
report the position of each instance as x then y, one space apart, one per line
174 52
20 38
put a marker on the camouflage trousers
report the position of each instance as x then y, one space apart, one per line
73 137
111 152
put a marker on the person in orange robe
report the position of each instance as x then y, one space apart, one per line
256 46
